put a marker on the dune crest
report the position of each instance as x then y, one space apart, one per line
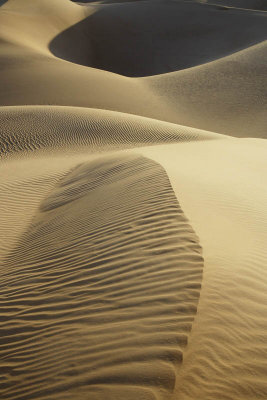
120 306
57 128
133 220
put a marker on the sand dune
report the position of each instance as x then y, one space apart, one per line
136 262
52 128
185 97
157 38
133 200
227 347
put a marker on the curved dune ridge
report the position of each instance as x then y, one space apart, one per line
133 221
224 92
64 127
221 186
155 34
110 303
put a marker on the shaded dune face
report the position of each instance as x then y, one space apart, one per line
154 37
245 4
106 288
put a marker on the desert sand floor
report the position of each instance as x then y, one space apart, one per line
133 200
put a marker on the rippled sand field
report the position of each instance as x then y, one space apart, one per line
133 218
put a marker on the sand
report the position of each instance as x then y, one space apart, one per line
133 221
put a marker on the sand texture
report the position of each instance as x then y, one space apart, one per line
133 200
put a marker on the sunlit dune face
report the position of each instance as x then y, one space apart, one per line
133 221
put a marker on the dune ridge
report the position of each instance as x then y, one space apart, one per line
227 349
133 200
124 289
66 127
185 97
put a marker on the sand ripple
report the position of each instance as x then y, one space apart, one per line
106 287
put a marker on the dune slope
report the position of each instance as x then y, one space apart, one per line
158 36
224 92
116 293
67 128
133 220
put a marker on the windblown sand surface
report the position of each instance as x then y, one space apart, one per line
133 221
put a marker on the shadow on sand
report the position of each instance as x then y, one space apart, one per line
2 2
142 39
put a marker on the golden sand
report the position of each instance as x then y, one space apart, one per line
133 223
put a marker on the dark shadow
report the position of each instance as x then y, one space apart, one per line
2 2
260 5
84 2
148 38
